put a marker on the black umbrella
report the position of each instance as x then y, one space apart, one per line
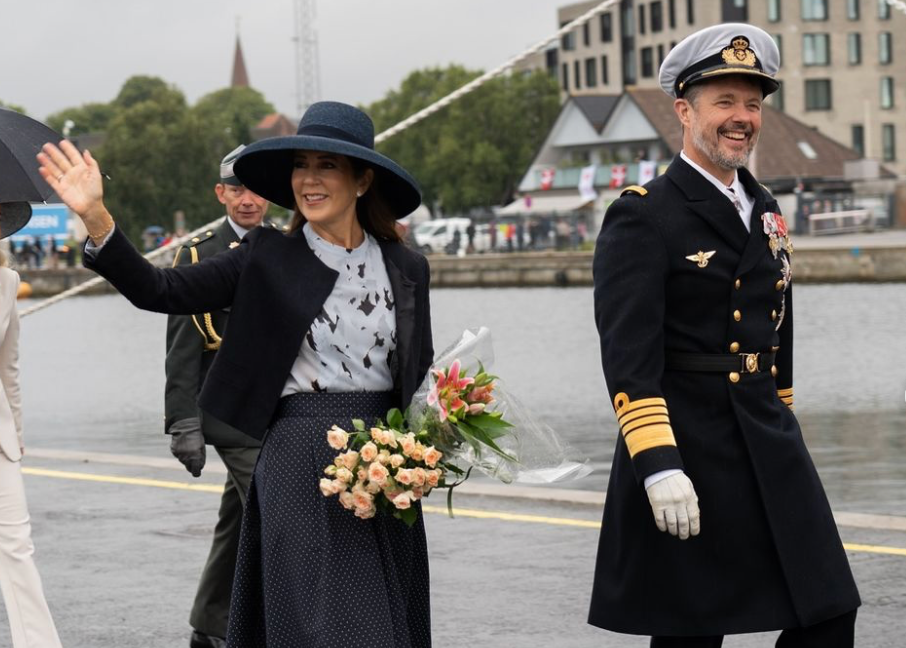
21 138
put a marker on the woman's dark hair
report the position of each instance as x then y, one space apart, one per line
373 212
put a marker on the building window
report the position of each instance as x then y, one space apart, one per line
883 10
852 10
564 72
690 11
854 48
657 17
642 25
814 9
591 72
627 26
629 72
858 136
778 40
647 62
816 49
606 27
671 13
885 48
576 79
777 99
586 34
604 79
886 92
773 10
818 94
568 41
888 142
660 56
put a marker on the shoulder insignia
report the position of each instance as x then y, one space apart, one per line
234 244
634 189
209 233
196 240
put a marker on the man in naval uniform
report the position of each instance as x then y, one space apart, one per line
715 522
192 342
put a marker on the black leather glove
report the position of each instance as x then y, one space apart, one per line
187 444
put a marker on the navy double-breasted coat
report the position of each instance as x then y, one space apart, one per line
769 555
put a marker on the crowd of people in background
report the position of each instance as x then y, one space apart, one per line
36 253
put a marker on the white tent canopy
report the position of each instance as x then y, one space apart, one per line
544 205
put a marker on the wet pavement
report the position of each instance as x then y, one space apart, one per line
121 542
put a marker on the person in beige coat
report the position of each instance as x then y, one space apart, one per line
30 622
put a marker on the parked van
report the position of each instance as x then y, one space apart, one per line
441 235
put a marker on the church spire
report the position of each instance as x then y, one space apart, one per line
240 75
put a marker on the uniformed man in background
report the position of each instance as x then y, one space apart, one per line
694 308
192 342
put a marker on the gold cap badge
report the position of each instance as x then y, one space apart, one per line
739 53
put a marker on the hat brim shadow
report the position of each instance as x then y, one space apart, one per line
266 167
769 84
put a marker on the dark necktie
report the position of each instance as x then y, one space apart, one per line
735 199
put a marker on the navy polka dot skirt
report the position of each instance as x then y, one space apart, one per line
310 574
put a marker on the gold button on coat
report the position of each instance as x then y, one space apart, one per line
773 316
778 285
737 315
774 371
734 377
734 347
738 284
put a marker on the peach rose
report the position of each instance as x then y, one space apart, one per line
389 438
408 444
397 460
344 475
365 513
432 456
331 470
369 452
417 493
373 487
350 459
347 499
361 499
377 434
419 476
403 476
337 486
377 473
384 457
337 438
402 501
418 452
433 478
362 473
326 486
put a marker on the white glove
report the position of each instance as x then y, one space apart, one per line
675 506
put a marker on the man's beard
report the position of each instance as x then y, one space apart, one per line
728 161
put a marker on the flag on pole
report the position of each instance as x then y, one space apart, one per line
647 171
617 175
547 178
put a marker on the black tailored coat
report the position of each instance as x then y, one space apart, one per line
275 286
192 342
769 555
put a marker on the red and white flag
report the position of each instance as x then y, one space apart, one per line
547 178
617 175
647 171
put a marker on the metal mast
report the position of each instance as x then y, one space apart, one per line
308 76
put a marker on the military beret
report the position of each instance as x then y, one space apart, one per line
226 166
727 48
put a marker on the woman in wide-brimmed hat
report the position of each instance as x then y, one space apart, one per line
30 622
328 323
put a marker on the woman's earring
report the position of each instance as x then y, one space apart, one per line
358 194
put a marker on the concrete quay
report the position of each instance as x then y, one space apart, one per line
121 540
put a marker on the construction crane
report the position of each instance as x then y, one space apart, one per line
308 75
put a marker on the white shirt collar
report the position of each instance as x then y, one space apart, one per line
240 231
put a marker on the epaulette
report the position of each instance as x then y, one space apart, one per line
190 244
634 189
200 239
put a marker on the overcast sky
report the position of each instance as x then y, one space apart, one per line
60 53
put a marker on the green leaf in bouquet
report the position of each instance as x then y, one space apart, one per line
395 419
358 424
408 516
483 437
453 468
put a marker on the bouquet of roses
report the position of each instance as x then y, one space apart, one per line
456 422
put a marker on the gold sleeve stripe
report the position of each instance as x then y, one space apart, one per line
783 393
649 437
623 405
645 411
643 422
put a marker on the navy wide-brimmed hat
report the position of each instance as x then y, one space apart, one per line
266 167
13 217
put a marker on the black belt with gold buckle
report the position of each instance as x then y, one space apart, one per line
720 362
